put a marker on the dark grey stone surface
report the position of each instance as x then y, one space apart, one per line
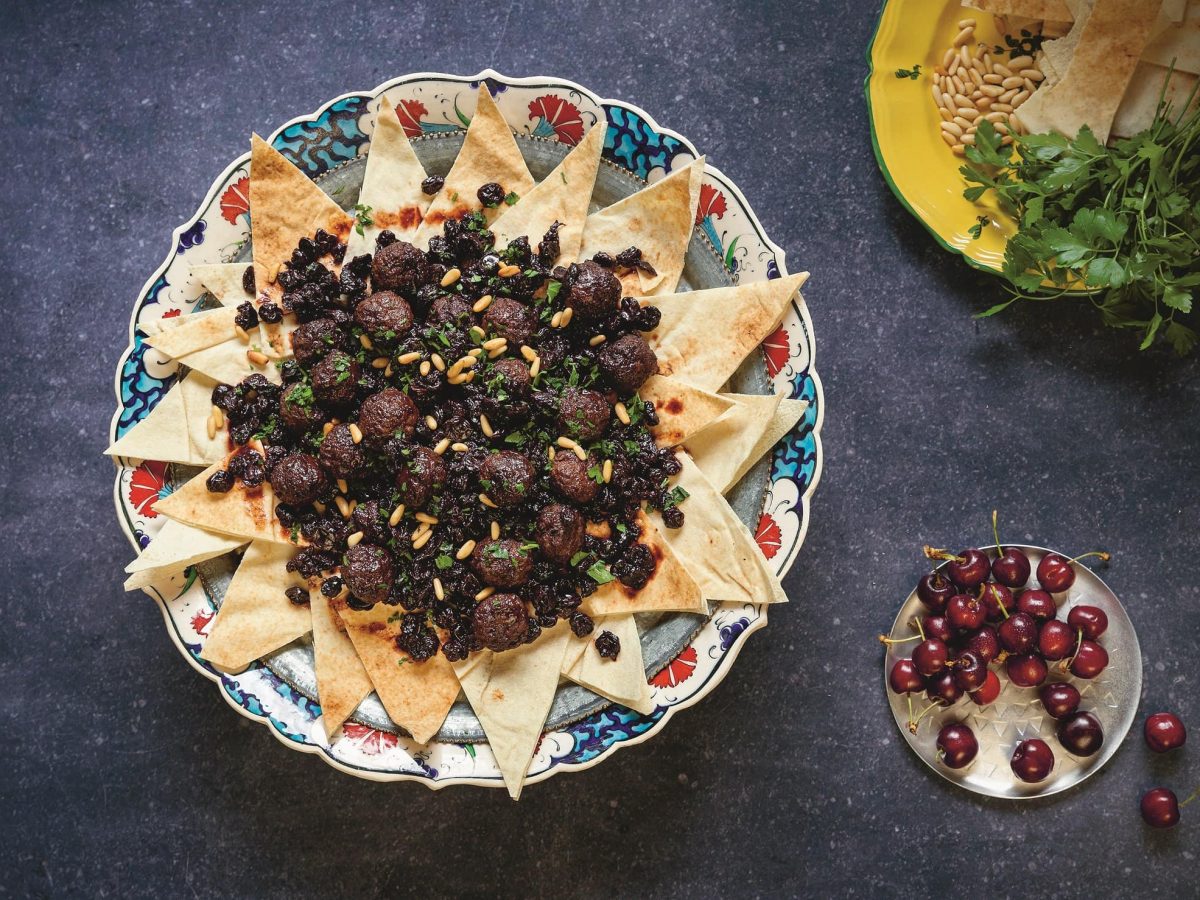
126 774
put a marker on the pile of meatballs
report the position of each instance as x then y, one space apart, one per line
484 508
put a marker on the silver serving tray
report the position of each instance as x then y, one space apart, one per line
663 636
1017 714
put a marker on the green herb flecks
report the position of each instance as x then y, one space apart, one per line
511 198
362 217
599 573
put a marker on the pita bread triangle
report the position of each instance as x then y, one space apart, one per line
228 363
489 154
622 680
197 331
716 548
417 696
391 187
173 549
256 617
342 681
562 196
162 435
197 391
511 693
703 336
223 281
683 410
658 220
670 588
727 449
242 512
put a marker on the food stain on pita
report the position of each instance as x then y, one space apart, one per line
674 406
498 695
438 216
406 219
254 504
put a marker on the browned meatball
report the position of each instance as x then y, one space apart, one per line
297 479
400 267
368 572
420 476
500 622
386 414
314 339
297 410
385 316
594 293
502 563
341 457
582 414
452 310
509 319
627 362
506 477
335 379
514 374
569 476
559 532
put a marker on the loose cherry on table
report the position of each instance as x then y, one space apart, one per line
1089 660
988 692
1164 731
1160 808
1091 620
1032 760
1026 670
1059 699
1011 568
1056 640
1037 603
1081 734
968 569
1056 573
956 745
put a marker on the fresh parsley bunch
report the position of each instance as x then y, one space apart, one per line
1120 223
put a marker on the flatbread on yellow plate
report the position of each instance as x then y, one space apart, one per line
342 681
241 511
174 548
670 589
622 680
683 410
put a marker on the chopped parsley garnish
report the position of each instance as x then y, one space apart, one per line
443 561
579 557
599 573
676 496
511 198
362 217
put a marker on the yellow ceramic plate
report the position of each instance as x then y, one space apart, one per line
905 127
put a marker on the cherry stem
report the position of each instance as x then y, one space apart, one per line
920 630
884 639
987 587
996 535
1104 555
913 723
1194 795
1066 663
935 553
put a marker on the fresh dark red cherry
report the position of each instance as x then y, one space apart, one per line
1059 699
966 613
1055 573
969 671
1090 659
1081 733
1165 731
1091 620
905 679
1018 633
1032 760
943 689
989 691
938 627
934 590
969 569
930 656
1027 670
984 643
1160 808
956 745
1056 640
1038 604
998 599
1011 568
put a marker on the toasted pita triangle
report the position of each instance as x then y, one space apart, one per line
511 693
726 450
1050 10
173 549
342 681
197 391
223 281
658 220
716 548
417 696
162 435
241 512
704 335
683 410
256 617
199 331
391 185
670 588
489 153
1140 103
562 196
228 363
622 680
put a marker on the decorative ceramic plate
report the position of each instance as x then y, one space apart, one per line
686 656
1017 714
905 127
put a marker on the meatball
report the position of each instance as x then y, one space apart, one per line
420 476
385 414
314 339
341 457
594 293
500 622
368 572
627 362
400 267
569 476
559 532
509 319
583 414
502 564
297 411
385 316
515 378
297 479
452 310
335 379
506 477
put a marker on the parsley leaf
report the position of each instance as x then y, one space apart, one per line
599 573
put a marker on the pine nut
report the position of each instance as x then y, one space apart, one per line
1002 70
992 90
948 137
212 428
327 427
969 114
410 357
438 362
487 501
606 471
959 87
1020 98
353 540
422 540
623 413
475 352
495 531
1015 124
485 593
1021 62
396 516
963 122
459 447
968 139
966 23
952 129
1014 82
984 103
482 303
529 353
319 507
242 333
597 340
964 54
536 368
465 550
343 506
937 92
556 319
366 342
993 78
948 58
450 277
964 36
441 446
550 451
466 362
425 367
1002 107
355 433
508 271
493 343
343 486
426 518
379 362
1031 74
947 100
476 332
977 66
259 359
431 423
957 150
567 314
976 77
485 426
961 100
499 351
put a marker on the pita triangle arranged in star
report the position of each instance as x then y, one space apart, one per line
224 281
671 587
173 549
342 680
241 511
683 410
622 680
729 447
